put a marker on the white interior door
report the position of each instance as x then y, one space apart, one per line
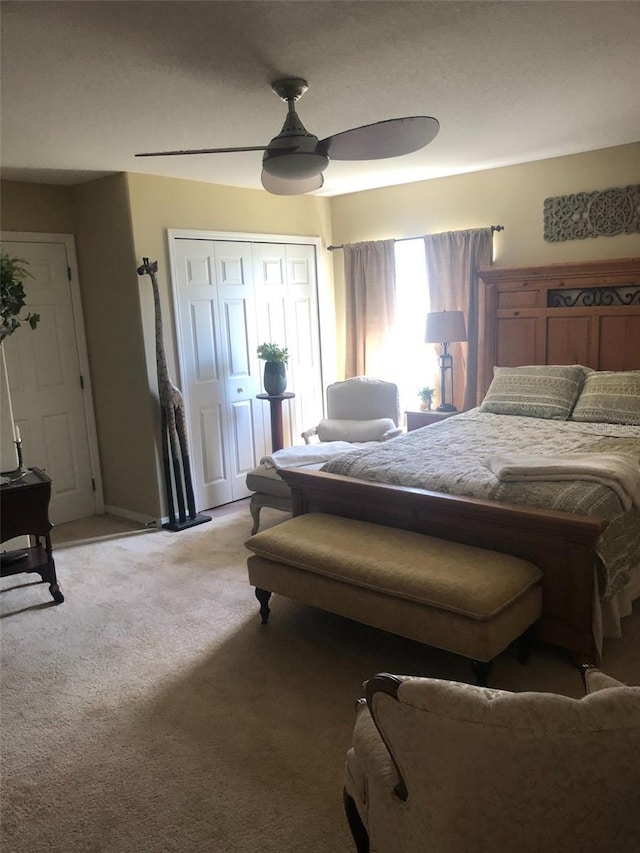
215 314
49 385
230 296
303 331
237 310
287 301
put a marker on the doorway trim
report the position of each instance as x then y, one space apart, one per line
68 241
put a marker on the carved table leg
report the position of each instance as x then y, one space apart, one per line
263 597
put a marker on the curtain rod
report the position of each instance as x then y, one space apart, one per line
402 239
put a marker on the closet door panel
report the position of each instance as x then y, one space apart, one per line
237 312
202 370
212 446
303 318
231 296
270 268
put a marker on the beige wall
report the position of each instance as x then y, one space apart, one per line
36 208
123 402
512 196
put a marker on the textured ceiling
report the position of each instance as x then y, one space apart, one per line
86 85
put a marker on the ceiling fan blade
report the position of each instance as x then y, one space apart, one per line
282 186
203 151
391 138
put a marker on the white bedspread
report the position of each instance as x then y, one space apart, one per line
309 454
613 470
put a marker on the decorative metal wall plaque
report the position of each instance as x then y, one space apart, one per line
603 213
590 297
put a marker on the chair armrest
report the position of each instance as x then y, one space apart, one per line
594 679
392 433
308 434
368 761
388 684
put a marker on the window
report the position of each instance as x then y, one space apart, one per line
415 362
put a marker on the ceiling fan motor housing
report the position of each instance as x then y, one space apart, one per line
304 161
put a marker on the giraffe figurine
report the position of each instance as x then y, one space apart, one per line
175 451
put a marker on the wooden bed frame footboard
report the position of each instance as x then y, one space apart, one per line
560 543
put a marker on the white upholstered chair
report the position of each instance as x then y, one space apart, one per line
455 768
360 409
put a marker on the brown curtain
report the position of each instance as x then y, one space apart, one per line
453 259
370 300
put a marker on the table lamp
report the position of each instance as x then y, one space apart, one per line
444 327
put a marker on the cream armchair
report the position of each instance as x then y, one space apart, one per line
455 768
359 409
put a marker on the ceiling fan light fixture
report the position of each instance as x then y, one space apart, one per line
295 165
280 186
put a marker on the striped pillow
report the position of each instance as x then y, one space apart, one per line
611 397
537 391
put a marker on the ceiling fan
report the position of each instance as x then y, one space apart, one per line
295 159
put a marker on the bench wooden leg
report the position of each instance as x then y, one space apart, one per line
523 646
263 597
481 670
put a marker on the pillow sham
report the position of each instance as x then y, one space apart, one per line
333 429
535 391
610 397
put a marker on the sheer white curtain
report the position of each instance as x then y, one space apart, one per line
415 364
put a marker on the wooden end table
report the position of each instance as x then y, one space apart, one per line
24 511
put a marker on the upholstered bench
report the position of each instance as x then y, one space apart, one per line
460 598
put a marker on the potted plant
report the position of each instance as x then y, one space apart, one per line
275 372
12 296
426 398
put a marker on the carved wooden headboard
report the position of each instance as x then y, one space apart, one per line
577 313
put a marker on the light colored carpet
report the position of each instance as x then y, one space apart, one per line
152 712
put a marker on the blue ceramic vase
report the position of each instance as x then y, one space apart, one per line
275 378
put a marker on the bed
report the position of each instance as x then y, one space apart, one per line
583 533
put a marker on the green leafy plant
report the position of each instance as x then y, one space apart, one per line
12 296
426 393
273 352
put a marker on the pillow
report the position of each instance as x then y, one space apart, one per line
332 429
610 397
537 391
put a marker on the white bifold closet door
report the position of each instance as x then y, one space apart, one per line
229 297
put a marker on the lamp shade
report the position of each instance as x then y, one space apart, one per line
445 326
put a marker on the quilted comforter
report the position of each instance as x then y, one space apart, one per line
452 457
